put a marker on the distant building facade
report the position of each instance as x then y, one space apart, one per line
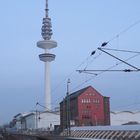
125 117
86 107
25 121
46 120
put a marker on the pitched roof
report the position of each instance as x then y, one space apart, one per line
77 93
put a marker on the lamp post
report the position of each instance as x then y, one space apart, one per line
68 108
37 115
36 118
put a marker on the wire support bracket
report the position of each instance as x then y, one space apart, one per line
90 71
118 58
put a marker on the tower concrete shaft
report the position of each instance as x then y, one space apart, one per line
47 57
47 86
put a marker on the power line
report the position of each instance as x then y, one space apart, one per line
93 52
128 105
123 31
120 50
86 81
125 70
42 106
101 72
93 59
118 58
109 68
106 43
68 76
120 33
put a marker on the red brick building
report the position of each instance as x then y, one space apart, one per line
86 107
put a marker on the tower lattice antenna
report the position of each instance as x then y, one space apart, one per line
46 27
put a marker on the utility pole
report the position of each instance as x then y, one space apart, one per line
36 121
68 109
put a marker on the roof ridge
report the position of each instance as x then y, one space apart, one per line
81 89
78 92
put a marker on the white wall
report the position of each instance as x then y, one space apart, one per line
18 125
31 122
47 119
122 117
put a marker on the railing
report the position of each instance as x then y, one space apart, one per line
108 133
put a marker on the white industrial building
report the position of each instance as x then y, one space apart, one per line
46 120
21 121
125 117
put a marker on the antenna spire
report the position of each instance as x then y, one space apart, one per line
46 27
47 10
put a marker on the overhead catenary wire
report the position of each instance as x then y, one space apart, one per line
127 105
106 70
42 106
104 44
124 31
118 58
93 58
131 104
93 52
124 70
128 51
101 72
103 50
83 62
48 110
68 76
86 60
120 33
109 68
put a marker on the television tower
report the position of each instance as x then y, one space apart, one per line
47 57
